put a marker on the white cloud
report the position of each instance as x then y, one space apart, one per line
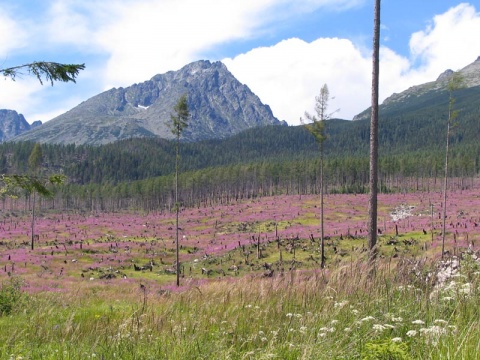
450 41
19 95
157 36
12 36
151 36
70 24
288 75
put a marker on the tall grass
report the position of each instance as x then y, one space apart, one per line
395 312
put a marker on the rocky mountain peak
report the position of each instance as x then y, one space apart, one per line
445 75
220 106
12 124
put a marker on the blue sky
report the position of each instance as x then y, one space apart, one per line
283 50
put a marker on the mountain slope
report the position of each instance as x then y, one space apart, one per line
220 106
13 124
428 95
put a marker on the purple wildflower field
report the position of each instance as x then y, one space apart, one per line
76 251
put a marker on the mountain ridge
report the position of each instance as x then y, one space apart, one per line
13 124
470 75
220 106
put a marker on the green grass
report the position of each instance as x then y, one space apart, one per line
347 313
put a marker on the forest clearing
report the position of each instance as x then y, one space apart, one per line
102 284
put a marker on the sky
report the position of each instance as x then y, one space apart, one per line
283 50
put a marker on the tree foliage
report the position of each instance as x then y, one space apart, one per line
45 70
30 184
179 120
36 157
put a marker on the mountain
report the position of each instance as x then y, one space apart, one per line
13 124
220 106
426 95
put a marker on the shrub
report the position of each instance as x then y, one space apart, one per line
10 295
386 350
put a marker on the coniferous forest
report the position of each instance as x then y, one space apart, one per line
138 173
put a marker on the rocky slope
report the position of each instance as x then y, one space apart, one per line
220 106
13 124
416 94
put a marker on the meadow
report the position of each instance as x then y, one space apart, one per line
102 285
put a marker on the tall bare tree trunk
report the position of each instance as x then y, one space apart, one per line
177 252
445 183
322 237
32 245
372 226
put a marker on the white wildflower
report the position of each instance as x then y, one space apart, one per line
440 321
397 339
339 305
378 327
411 333
433 330
347 329
418 322
466 288
368 318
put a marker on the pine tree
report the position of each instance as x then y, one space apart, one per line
179 121
316 127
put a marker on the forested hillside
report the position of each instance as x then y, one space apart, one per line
421 127
264 161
